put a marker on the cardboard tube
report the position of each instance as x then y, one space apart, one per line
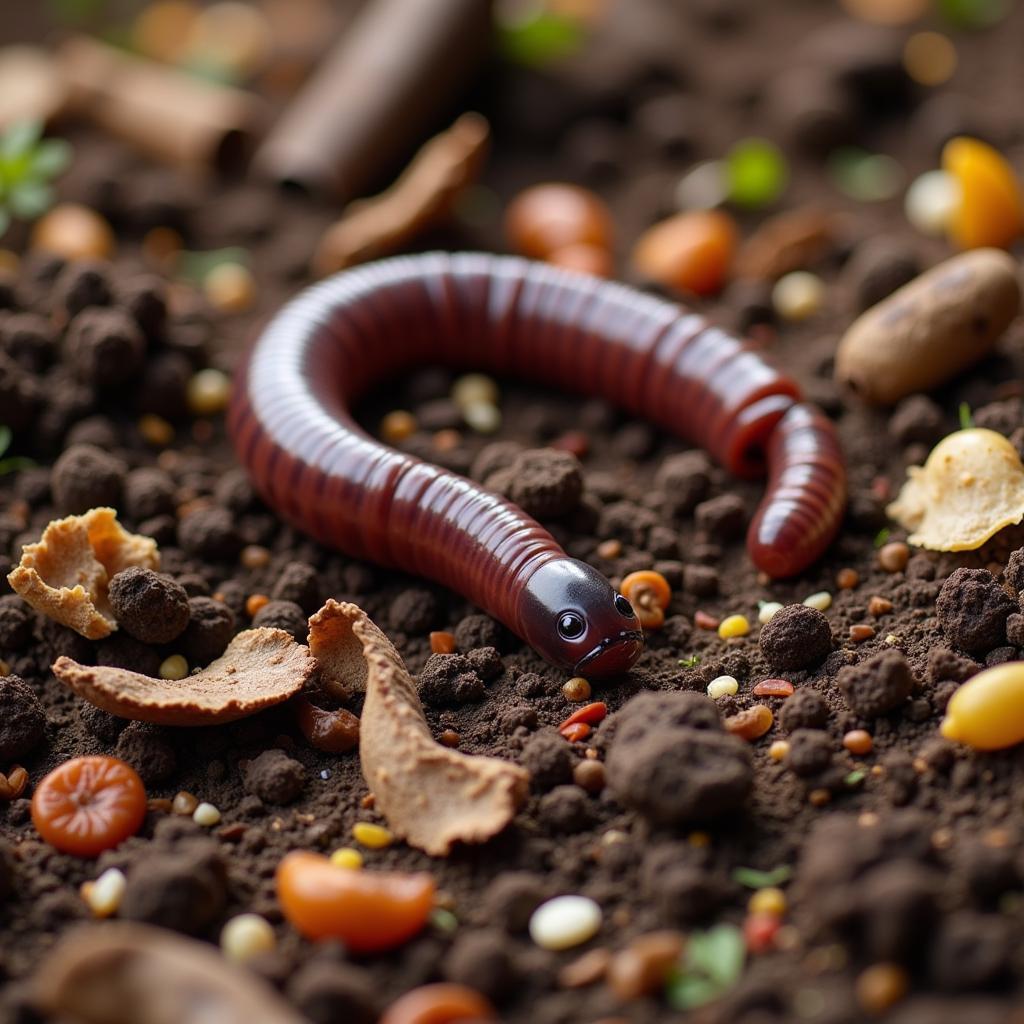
375 93
172 116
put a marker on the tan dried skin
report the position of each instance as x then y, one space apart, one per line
423 195
65 574
970 488
343 669
930 329
431 796
260 667
126 973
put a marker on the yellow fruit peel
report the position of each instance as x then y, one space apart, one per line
970 488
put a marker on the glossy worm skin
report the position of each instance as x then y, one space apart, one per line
293 430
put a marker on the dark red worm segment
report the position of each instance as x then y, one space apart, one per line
293 430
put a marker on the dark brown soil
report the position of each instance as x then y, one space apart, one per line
910 854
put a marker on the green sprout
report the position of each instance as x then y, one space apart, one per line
882 536
966 418
28 163
12 463
754 879
855 778
535 38
692 661
711 965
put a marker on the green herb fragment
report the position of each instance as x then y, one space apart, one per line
28 163
974 13
691 661
866 177
855 778
882 536
966 418
194 266
444 920
711 965
756 172
539 37
754 879
13 463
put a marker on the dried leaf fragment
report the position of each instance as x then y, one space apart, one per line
431 796
343 669
126 973
65 573
423 195
260 667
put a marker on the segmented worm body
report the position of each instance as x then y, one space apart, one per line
293 430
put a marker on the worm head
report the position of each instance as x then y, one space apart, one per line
571 615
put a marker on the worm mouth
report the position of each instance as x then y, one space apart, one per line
613 655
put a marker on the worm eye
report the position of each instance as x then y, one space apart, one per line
623 607
570 626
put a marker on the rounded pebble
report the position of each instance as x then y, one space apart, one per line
565 922
206 815
173 667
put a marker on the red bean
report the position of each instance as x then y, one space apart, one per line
311 462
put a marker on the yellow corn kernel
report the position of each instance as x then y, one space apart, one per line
987 712
990 211
768 901
347 857
374 837
733 625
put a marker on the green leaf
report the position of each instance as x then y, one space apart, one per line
29 199
688 991
19 139
756 172
754 879
882 536
721 954
855 778
541 39
51 157
5 438
15 463
966 419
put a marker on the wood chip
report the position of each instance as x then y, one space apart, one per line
260 667
431 796
127 973
423 196
64 575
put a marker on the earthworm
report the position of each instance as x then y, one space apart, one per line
293 430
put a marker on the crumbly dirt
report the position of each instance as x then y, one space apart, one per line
909 854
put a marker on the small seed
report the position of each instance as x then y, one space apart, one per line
206 815
475 388
576 689
174 667
184 803
565 922
767 610
373 837
585 970
768 901
397 426
104 895
704 621
819 797
246 936
450 738
254 602
254 556
609 548
442 642
858 741
879 606
798 295
894 557
155 430
209 391
860 633
589 775
230 288
723 686
881 986
773 688
847 579
347 857
778 750
733 626
822 600
751 723
643 965
482 417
